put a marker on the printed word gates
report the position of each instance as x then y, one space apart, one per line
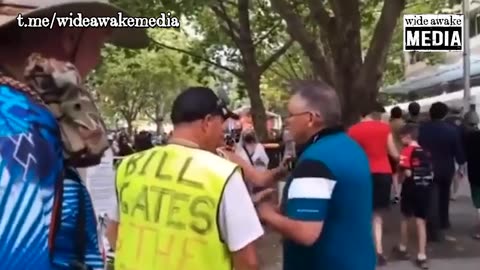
166 197
433 32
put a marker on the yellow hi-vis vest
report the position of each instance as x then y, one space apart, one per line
169 199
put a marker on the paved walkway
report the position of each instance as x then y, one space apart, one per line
464 254
439 264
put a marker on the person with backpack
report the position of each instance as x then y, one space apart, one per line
50 125
417 180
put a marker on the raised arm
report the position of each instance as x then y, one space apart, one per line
254 176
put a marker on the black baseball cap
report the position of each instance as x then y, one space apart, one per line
196 103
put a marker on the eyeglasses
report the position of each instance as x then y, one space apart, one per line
291 115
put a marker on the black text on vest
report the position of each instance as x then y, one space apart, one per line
168 202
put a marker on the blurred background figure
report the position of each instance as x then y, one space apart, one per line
454 117
124 146
443 142
471 145
252 151
143 141
413 113
376 139
396 124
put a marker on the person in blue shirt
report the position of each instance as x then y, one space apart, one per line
39 201
326 209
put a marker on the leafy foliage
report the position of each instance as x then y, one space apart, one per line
395 65
240 38
141 83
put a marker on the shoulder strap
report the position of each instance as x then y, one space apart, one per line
248 155
56 215
80 232
10 81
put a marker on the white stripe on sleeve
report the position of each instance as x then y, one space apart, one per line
311 188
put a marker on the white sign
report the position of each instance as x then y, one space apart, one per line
433 32
101 184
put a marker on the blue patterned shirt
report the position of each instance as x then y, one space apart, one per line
65 249
31 162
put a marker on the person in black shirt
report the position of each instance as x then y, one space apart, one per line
472 144
442 140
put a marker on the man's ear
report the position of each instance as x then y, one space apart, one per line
206 121
317 119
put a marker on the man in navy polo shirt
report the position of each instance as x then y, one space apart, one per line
326 210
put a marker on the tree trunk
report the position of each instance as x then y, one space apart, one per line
129 126
257 108
159 110
159 124
355 78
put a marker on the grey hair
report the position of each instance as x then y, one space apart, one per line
320 98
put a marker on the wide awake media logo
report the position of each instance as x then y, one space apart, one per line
433 32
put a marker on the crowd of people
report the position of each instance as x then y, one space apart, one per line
196 202
412 160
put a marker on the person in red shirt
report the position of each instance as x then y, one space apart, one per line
375 137
417 176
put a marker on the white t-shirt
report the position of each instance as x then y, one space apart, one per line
238 220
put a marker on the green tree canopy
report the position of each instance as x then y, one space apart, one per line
142 83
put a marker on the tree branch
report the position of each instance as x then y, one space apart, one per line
274 57
246 46
376 56
198 57
320 14
232 28
244 21
298 32
286 77
294 67
266 35
287 73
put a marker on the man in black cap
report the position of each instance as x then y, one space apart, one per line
210 201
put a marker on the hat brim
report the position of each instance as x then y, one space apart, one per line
131 37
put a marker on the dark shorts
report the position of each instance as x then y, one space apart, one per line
382 187
415 200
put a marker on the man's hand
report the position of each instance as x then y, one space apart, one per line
266 209
262 195
228 153
287 164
